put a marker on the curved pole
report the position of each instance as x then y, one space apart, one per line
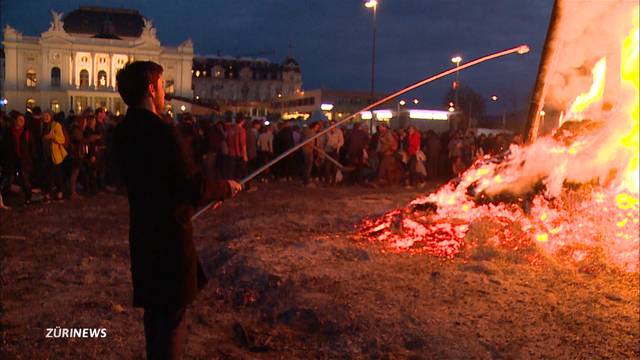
521 49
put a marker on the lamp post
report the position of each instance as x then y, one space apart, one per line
281 106
495 98
400 103
456 60
373 4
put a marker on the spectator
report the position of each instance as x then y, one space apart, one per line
18 153
265 149
458 166
389 172
283 141
414 140
334 143
434 149
237 144
77 152
308 151
54 154
357 152
189 134
252 143
92 139
102 128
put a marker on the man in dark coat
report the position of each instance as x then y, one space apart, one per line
358 140
164 186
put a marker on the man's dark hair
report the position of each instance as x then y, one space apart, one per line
134 79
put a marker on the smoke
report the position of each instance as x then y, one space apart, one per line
587 31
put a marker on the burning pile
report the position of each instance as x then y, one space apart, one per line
573 195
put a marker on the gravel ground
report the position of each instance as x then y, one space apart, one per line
290 280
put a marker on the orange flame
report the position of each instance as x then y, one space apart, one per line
584 101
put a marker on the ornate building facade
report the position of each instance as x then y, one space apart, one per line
245 85
74 63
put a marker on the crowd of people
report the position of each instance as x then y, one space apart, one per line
68 157
54 155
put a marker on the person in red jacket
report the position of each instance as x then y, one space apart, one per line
414 146
19 152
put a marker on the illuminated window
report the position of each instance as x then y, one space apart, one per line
31 103
84 79
102 79
217 71
82 102
100 103
168 86
55 77
32 79
118 106
55 106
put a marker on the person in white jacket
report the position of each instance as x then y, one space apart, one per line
333 145
265 149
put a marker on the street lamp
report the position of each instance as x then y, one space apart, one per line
495 98
456 60
373 4
400 103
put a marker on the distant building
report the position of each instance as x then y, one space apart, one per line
243 84
338 104
74 63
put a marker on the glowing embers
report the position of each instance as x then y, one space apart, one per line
572 196
584 218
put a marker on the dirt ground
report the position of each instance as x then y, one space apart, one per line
289 280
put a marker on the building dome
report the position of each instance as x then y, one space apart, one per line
290 64
106 23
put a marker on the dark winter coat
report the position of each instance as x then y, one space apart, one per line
164 187
10 155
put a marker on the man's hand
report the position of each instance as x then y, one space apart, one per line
235 187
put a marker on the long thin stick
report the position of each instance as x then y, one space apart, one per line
326 156
521 49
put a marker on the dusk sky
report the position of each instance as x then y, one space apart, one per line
332 39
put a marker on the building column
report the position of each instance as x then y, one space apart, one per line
71 70
92 73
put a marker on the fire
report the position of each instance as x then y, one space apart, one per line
629 78
583 101
525 197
